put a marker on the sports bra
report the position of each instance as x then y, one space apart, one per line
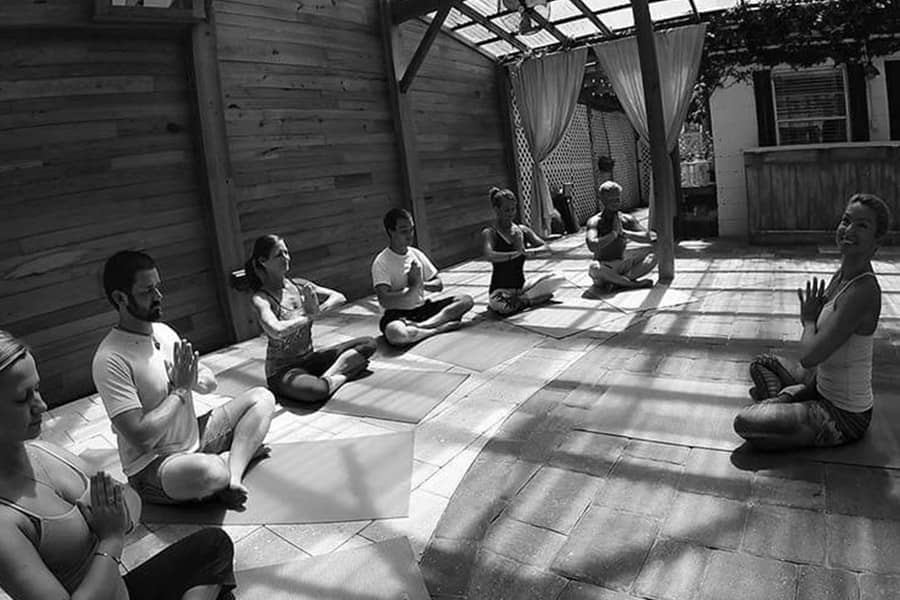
65 542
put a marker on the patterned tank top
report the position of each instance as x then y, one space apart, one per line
282 353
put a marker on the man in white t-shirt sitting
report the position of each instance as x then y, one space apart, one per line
401 275
146 376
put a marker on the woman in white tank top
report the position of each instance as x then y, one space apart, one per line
827 399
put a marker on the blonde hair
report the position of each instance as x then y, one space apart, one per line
11 349
877 206
607 188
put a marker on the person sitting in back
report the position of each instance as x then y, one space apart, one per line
401 275
506 244
608 233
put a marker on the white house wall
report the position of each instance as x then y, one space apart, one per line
733 114
879 119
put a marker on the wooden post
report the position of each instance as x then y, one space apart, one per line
228 246
434 28
663 180
404 127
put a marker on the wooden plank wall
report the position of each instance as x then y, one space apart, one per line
310 131
461 142
97 154
795 194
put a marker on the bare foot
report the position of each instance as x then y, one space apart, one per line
233 497
644 283
350 362
263 451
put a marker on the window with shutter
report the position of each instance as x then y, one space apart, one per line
811 106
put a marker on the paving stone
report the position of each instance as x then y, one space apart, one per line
531 583
863 544
263 548
482 495
708 520
863 491
643 486
446 566
879 587
607 548
587 452
711 472
540 445
445 480
819 583
659 452
554 499
318 538
422 472
492 576
523 543
673 571
425 509
786 533
577 590
788 492
730 575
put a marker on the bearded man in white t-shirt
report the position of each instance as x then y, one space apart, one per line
146 376
401 275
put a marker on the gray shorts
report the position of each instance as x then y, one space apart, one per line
216 434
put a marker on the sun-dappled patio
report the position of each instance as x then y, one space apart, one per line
585 450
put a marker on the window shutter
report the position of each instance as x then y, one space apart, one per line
765 110
811 106
859 104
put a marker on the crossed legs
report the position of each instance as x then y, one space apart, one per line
625 273
231 439
403 332
322 374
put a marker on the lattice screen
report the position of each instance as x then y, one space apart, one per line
572 162
523 157
645 167
614 136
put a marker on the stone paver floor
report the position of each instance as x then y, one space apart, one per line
509 500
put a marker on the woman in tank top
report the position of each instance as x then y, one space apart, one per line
506 244
826 399
62 530
286 309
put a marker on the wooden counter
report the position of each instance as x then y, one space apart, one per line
797 193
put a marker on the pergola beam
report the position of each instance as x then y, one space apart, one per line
559 35
489 25
592 17
405 10
424 45
694 10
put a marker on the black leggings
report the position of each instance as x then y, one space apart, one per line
202 558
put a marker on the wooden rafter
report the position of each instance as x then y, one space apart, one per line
559 35
694 10
489 25
404 10
422 51
593 18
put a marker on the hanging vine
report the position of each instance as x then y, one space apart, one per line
799 33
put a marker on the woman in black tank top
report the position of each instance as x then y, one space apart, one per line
506 245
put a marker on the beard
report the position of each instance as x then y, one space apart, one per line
150 315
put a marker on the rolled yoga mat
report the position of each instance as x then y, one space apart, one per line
314 482
383 571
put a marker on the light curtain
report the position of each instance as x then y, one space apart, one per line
546 93
678 53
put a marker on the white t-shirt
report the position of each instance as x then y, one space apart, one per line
130 373
393 269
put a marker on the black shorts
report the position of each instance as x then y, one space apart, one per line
418 314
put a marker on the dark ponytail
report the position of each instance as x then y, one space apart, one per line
498 196
262 248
